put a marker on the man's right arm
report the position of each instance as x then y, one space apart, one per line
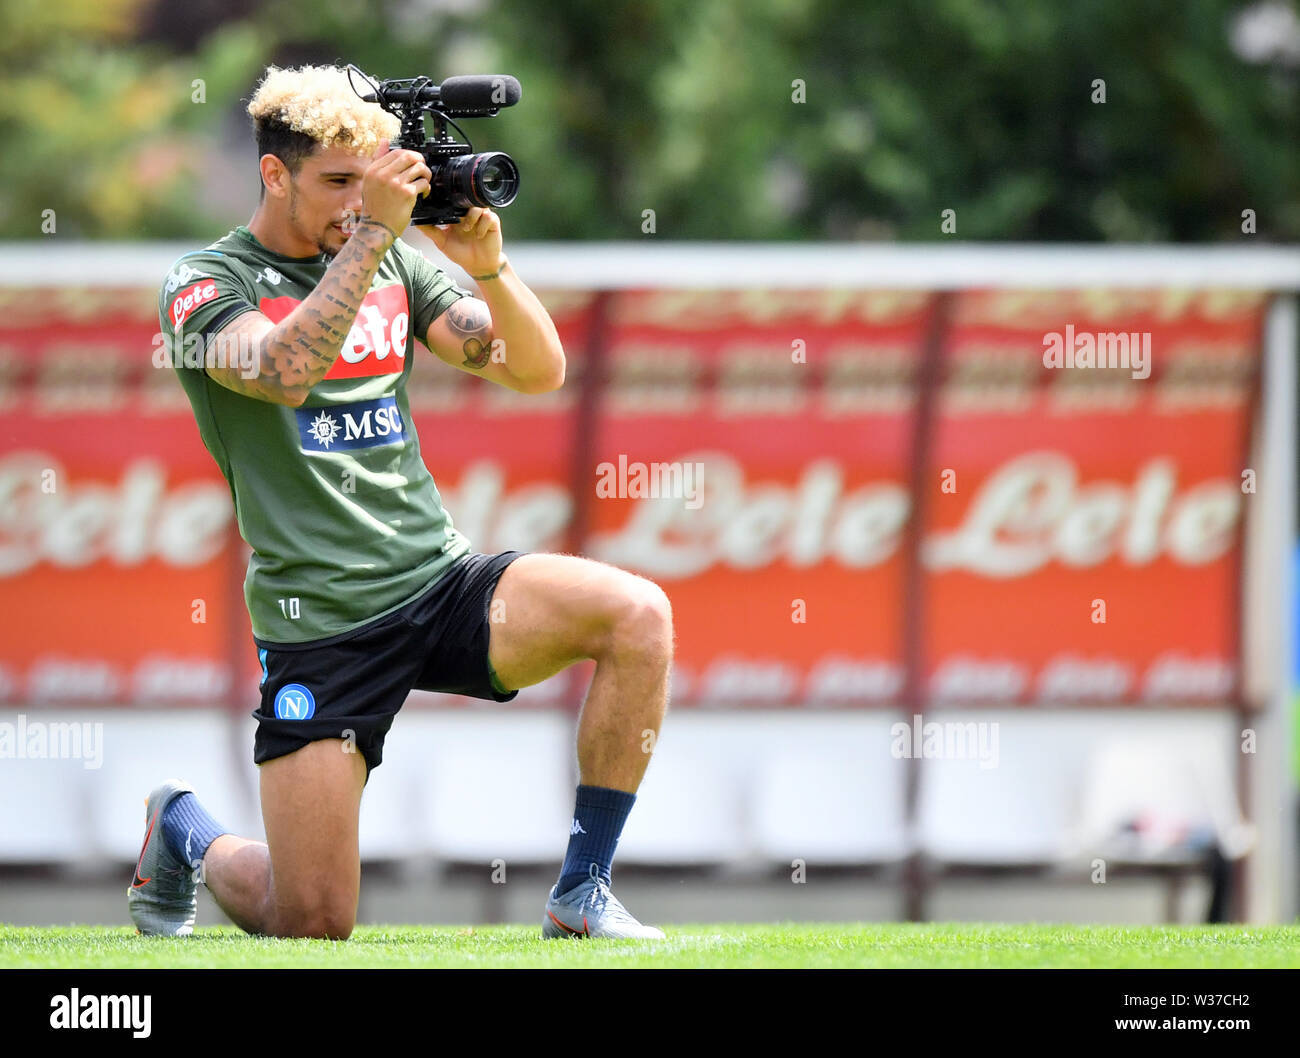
291 356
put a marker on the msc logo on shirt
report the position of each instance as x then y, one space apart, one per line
376 344
344 427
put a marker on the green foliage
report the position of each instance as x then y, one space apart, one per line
693 108
103 131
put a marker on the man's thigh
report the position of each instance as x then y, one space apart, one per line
311 800
550 611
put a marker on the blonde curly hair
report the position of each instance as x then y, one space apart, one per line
320 103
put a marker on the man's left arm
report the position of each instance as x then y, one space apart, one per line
507 336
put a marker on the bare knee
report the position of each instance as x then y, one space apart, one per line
321 921
643 620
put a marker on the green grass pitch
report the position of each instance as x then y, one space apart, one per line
824 945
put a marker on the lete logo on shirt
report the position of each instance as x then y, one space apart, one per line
376 344
190 299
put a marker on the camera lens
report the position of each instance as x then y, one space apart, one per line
490 179
493 178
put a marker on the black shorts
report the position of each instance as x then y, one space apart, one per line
350 686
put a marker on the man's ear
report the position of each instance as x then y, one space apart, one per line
275 177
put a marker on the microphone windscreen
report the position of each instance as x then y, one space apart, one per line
479 92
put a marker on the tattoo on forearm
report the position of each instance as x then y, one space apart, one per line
294 357
470 320
366 219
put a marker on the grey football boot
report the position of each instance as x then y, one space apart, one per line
162 897
591 910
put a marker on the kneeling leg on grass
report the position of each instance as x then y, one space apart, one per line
305 879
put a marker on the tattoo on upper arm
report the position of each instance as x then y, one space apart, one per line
470 320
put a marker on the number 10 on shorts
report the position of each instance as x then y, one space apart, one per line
292 610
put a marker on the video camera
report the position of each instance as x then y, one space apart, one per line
461 178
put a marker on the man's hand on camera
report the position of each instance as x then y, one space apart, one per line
474 242
391 186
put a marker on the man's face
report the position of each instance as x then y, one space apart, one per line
324 198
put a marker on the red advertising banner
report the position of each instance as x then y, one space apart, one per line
1085 496
788 419
753 452
120 570
115 564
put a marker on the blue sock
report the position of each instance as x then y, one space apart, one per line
188 830
598 818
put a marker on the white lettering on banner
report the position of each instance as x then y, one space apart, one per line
167 678
705 310
681 682
529 518
59 678
128 523
1029 512
748 526
1032 510
1173 676
979 678
1066 676
154 678
839 677
769 680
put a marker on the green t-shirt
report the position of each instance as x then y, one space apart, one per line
342 515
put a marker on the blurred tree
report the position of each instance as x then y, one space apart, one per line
833 119
775 119
105 132
591 131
